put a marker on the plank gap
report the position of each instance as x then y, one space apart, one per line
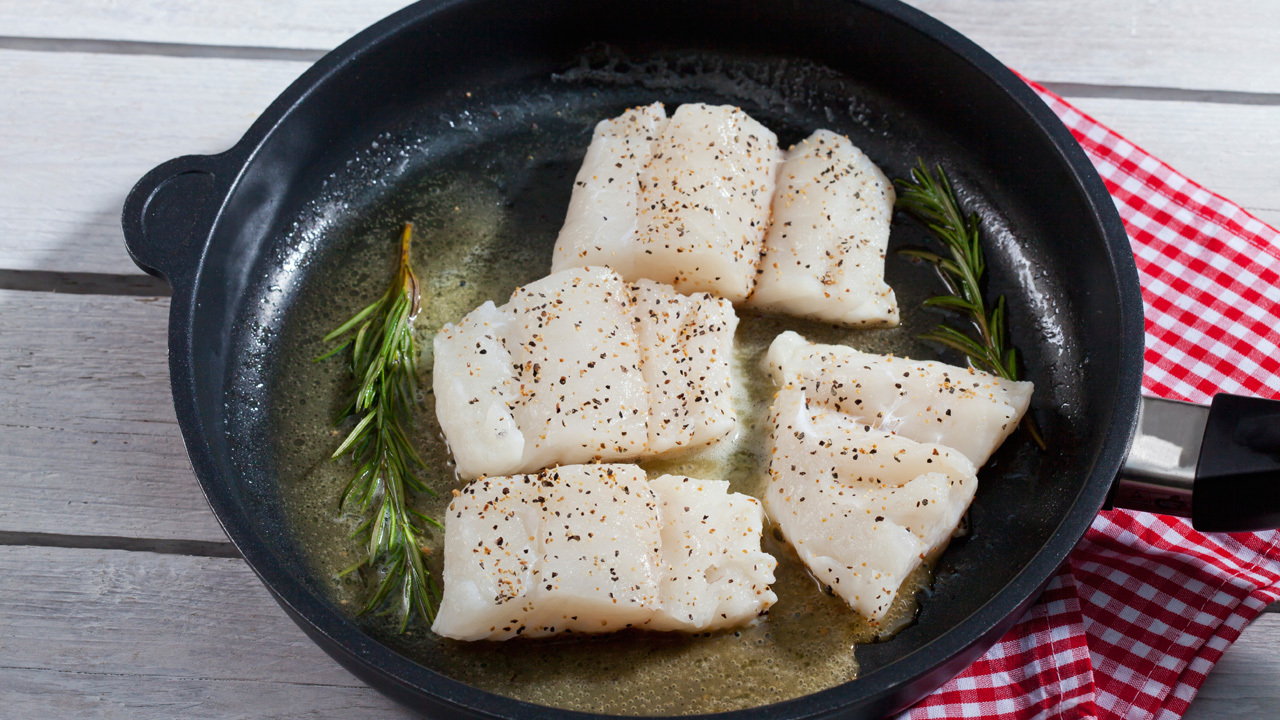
143 47
354 685
1161 94
83 283
257 52
197 548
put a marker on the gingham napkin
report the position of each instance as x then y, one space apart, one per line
1145 606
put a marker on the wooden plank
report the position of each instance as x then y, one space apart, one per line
65 179
1246 682
1233 150
88 439
112 695
1200 44
139 635
77 130
1191 44
308 24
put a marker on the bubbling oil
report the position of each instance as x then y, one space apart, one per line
469 248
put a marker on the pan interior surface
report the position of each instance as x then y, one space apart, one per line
483 166
486 208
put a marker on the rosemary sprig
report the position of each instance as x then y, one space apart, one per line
930 199
384 366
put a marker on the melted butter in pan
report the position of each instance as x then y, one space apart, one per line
466 252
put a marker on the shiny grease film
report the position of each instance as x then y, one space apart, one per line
486 190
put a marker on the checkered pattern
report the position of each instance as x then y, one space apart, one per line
1146 605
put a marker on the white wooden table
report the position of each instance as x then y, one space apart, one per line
120 596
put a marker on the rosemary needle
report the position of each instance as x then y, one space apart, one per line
384 367
930 199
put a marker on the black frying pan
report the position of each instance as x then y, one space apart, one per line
508 91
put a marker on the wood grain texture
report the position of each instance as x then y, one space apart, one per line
112 695
316 24
89 421
77 130
116 634
1195 44
88 440
1246 682
1233 150
66 179
1227 45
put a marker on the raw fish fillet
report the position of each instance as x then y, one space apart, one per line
862 507
714 574
825 247
570 549
580 367
683 201
686 343
590 548
704 201
475 388
581 393
932 402
600 226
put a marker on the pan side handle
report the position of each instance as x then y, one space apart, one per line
170 212
1218 465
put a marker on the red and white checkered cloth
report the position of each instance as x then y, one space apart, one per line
1145 605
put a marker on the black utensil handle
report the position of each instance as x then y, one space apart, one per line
169 213
1218 465
1237 484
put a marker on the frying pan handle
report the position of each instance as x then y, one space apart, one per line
1218 465
170 212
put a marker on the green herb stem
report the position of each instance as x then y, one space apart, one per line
384 367
930 199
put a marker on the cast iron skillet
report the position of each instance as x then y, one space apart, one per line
236 236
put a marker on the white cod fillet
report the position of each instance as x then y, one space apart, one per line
580 367
475 389
581 393
713 574
590 548
683 201
966 409
825 248
862 507
686 343
704 201
600 226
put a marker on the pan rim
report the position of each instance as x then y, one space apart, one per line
876 688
